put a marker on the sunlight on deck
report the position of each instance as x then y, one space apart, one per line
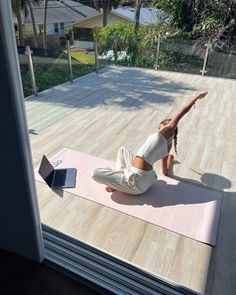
120 106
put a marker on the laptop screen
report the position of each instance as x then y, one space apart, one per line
46 170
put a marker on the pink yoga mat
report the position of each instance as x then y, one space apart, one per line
183 208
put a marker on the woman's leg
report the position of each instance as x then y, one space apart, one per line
124 158
114 180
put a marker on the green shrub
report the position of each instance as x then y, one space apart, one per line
52 76
118 37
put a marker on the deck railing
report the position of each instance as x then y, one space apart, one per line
42 69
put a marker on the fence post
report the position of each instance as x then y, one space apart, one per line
73 36
203 71
28 53
95 37
69 60
96 53
157 53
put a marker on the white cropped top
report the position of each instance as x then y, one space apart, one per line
154 148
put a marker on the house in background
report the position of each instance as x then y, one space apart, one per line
83 29
59 15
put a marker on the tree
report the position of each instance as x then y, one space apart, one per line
17 6
24 5
138 4
205 19
119 38
217 24
106 6
183 13
33 21
45 24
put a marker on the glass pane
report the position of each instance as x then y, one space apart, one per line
51 67
221 63
181 56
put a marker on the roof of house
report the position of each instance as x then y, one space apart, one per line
147 15
66 11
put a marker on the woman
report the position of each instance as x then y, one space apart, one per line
134 175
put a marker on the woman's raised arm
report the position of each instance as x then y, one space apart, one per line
167 130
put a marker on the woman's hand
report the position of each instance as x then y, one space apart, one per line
202 94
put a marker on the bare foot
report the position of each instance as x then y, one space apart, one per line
110 189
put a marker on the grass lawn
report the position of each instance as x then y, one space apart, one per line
85 58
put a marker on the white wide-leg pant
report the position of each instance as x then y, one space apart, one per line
125 178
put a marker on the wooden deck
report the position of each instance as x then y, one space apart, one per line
120 106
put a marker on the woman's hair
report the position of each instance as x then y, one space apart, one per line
165 122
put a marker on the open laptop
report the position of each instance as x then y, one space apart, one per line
57 178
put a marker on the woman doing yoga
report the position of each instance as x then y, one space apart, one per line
135 174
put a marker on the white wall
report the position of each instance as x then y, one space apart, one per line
51 28
84 44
